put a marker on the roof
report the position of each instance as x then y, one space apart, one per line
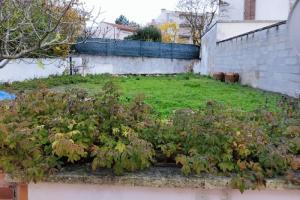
122 27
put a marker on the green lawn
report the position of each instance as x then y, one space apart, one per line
164 93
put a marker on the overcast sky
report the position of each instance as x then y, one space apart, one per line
140 11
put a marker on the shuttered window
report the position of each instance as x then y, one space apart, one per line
250 6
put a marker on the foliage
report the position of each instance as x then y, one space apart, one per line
248 146
149 33
169 32
122 20
43 131
164 93
39 28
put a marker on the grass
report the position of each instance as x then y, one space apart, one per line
164 93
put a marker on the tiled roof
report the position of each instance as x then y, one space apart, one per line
122 27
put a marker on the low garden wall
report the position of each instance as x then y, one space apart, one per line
20 70
134 65
156 183
89 192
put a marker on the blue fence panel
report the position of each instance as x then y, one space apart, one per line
150 49
134 48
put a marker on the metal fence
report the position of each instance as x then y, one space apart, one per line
133 48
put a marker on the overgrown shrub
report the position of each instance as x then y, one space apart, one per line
43 131
248 146
149 33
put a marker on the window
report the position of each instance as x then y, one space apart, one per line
249 12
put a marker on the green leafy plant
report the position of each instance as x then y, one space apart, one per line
43 131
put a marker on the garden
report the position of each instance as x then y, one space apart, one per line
131 123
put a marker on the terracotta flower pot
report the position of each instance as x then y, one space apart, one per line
232 77
220 76
236 77
1 175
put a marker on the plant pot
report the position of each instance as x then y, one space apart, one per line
232 77
219 76
236 77
1 175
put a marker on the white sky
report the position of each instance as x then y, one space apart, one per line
140 11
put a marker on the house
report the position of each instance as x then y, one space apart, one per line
240 16
168 16
255 9
113 31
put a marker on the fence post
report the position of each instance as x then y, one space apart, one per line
71 65
140 48
106 45
172 51
160 50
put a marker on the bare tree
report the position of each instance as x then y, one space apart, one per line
33 28
199 15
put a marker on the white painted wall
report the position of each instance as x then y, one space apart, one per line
25 69
233 28
135 65
265 10
20 70
47 191
235 10
294 28
272 9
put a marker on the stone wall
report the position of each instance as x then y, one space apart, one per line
265 59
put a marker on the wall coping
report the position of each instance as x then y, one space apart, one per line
240 22
254 31
158 177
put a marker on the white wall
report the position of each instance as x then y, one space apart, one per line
272 9
46 191
135 65
20 70
265 10
294 28
233 28
235 10
265 60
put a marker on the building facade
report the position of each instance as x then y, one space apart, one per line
113 31
167 16
256 9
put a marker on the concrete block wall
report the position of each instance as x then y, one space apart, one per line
264 59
